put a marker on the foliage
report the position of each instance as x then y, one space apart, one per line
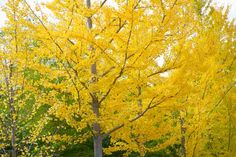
145 78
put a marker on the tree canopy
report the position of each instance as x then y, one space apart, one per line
139 77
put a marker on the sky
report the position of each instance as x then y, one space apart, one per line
232 3
217 3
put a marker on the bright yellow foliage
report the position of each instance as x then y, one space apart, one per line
165 73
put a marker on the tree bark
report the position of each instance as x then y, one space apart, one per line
13 132
183 130
11 91
97 144
12 111
97 139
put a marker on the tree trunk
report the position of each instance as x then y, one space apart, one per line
97 143
183 130
97 139
13 133
12 112
229 108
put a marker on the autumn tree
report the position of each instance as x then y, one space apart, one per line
115 78
143 74
208 108
23 120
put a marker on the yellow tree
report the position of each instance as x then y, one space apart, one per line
22 109
208 109
126 67
111 65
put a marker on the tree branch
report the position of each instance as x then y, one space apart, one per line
103 3
162 71
150 106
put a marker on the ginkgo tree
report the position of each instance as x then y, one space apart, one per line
17 95
209 110
23 117
112 71
145 74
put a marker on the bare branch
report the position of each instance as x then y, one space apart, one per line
175 2
103 3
